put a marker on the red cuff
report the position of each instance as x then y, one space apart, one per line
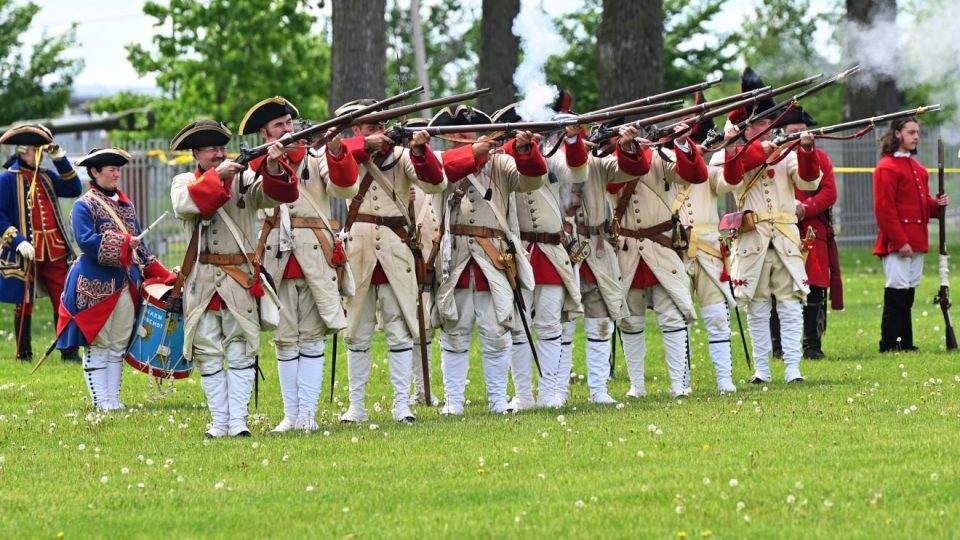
934 208
342 168
690 166
126 252
753 156
732 170
208 193
157 270
576 152
357 147
634 164
427 166
459 162
530 163
281 188
808 164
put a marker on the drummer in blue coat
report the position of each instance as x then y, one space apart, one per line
101 299
35 249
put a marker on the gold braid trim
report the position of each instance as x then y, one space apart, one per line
9 234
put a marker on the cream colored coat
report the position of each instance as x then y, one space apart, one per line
320 277
595 210
428 219
501 176
769 195
698 210
649 206
370 244
542 211
206 279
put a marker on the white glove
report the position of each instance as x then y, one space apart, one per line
25 249
55 152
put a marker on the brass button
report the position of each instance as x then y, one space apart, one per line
377 246
472 220
315 247
219 283
216 242
470 241
376 207
214 231
377 238
374 197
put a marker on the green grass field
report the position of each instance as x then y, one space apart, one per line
868 447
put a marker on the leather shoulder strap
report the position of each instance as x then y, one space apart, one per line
357 201
628 190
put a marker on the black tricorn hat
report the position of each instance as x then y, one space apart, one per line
463 115
700 130
200 134
97 158
751 81
354 105
416 122
265 111
506 114
797 116
27 135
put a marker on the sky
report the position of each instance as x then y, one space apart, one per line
104 27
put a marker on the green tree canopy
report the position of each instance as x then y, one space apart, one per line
222 57
38 84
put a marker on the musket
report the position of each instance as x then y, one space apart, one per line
249 154
333 366
699 87
396 112
704 110
868 123
943 295
775 111
400 132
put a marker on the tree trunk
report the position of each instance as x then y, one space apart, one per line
499 54
858 224
630 50
358 52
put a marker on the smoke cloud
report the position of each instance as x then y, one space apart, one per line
539 40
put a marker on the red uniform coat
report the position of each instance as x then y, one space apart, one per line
902 204
817 203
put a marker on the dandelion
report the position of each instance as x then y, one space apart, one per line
124 470
904 374
678 509
544 434
706 481
326 433
640 453
218 485
849 401
255 445
934 477
149 462
265 462
798 485
619 406
791 499
681 534
741 505
285 458
765 389
346 509
580 504
104 479
828 504
140 458
355 439
180 478
733 482
746 518
3 459
81 447
542 476
562 419
859 367
309 488
140 485
651 428
374 427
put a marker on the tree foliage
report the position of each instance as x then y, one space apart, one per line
451 36
222 57
35 84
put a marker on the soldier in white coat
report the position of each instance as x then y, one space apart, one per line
301 250
219 202
380 233
556 296
653 273
601 288
769 260
480 263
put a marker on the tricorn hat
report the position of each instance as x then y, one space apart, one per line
797 116
354 105
200 134
265 111
700 130
506 115
27 135
97 158
463 115
416 122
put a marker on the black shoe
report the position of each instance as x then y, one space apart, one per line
25 351
244 433
69 355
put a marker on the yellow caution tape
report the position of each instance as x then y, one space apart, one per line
870 170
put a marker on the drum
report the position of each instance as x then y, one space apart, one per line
157 345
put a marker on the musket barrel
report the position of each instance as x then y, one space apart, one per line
403 110
826 130
664 96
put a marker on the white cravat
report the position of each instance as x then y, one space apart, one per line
902 154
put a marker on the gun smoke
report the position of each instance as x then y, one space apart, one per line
539 40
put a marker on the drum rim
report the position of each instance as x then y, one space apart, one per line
157 372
